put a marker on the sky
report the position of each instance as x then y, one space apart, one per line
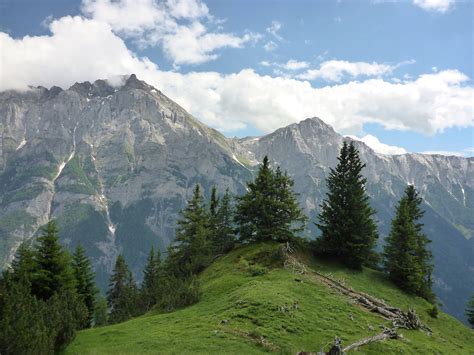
394 74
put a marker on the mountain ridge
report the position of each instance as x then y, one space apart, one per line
115 164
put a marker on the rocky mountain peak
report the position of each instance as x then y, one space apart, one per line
134 83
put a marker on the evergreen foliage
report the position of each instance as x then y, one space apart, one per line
269 210
53 272
150 289
222 236
101 312
470 311
406 258
349 232
122 296
191 252
85 285
40 307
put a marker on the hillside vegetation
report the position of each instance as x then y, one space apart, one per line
250 303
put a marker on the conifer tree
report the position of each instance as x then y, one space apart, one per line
122 293
53 265
23 327
23 265
470 311
85 285
223 230
151 280
269 210
407 259
101 315
191 252
346 218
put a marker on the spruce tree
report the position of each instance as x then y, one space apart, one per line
346 218
269 210
406 257
223 230
151 280
122 294
85 285
470 311
101 312
53 265
191 252
23 265
23 325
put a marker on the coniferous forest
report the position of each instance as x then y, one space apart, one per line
48 294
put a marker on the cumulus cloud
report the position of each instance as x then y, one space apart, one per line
336 70
290 65
434 5
81 49
176 25
374 143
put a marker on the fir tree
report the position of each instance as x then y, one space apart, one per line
122 293
191 252
269 210
101 312
346 218
470 311
23 327
406 257
85 285
23 265
151 280
53 267
222 238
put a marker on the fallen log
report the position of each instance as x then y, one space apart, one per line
386 334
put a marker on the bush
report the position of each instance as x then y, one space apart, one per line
178 293
433 312
257 270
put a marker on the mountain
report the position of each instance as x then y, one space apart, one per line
279 311
114 165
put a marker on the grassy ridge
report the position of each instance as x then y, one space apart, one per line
274 311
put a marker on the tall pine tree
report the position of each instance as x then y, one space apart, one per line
151 280
192 252
269 210
122 294
346 218
53 265
406 258
222 231
85 285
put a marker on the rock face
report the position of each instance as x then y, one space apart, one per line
114 165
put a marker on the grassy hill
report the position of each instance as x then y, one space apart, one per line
250 304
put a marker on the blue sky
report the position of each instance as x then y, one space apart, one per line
396 70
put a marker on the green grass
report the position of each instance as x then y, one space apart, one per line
291 313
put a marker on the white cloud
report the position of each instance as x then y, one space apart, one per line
274 28
176 25
336 70
77 50
290 65
83 49
434 5
374 143
444 152
295 65
270 46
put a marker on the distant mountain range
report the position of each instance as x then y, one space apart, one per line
114 165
